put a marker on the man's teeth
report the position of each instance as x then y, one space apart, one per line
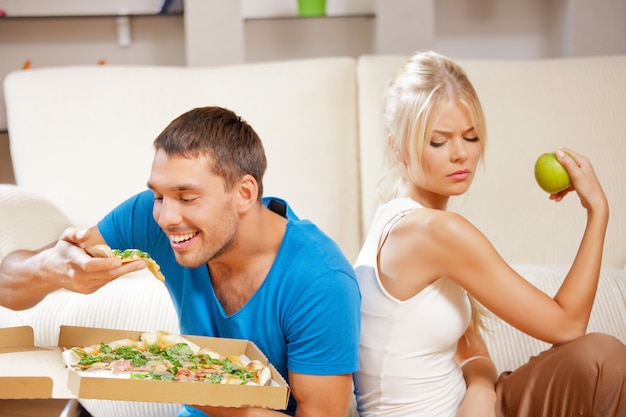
182 238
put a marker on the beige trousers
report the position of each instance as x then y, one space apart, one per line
583 378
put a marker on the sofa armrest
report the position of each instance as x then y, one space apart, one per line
27 221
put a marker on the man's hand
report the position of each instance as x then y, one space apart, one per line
26 277
76 270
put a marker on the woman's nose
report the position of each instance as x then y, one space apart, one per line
459 151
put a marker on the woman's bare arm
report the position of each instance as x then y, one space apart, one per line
480 375
438 243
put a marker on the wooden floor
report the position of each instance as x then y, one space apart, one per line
6 165
36 408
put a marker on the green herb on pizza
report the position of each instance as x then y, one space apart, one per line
127 255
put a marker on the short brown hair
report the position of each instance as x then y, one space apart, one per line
234 146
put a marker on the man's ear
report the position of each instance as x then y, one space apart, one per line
248 190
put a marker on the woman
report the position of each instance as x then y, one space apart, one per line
421 267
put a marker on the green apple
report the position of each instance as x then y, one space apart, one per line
551 176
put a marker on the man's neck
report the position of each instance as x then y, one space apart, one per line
238 274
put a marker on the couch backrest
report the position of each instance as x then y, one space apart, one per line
82 136
531 107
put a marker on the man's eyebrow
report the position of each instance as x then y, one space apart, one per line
181 187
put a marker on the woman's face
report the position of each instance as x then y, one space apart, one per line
450 157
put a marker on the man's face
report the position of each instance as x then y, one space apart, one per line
192 207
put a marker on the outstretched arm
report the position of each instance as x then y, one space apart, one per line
26 277
577 292
485 275
428 244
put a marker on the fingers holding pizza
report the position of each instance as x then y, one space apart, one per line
30 275
65 264
127 255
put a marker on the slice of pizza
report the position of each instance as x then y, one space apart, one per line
164 340
127 255
118 356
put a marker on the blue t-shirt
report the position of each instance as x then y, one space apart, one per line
305 315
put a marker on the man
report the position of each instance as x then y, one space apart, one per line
236 264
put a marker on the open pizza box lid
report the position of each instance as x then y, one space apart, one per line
27 371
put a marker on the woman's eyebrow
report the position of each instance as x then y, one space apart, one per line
447 132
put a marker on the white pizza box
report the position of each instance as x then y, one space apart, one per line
28 371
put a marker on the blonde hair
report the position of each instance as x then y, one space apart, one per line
412 107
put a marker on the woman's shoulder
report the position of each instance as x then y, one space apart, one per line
432 228
434 220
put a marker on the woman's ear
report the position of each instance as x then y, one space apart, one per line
248 191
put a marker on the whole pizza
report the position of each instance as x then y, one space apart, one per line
164 356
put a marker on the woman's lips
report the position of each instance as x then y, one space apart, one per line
460 175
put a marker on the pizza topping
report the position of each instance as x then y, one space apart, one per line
127 255
163 356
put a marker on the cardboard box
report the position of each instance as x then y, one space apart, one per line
27 371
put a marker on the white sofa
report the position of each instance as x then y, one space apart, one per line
81 140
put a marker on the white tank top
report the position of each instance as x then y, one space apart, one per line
407 348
